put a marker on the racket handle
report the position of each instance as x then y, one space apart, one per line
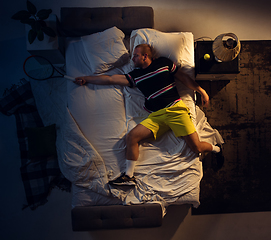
70 78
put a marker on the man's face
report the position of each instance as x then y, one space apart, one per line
138 58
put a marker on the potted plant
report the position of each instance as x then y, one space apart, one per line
36 21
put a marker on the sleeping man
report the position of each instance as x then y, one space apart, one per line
155 78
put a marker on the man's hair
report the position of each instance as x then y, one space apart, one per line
146 49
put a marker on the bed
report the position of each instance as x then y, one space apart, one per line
93 121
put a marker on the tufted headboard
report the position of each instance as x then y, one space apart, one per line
76 22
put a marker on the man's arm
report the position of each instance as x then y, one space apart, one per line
103 80
190 83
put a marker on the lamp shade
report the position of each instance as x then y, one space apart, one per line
225 51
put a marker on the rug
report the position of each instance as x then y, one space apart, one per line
240 110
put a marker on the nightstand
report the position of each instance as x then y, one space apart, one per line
211 69
50 48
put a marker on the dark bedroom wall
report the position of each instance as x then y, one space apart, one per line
12 56
249 19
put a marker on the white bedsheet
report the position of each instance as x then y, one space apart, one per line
92 124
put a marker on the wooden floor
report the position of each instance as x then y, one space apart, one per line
240 110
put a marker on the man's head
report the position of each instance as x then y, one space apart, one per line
142 55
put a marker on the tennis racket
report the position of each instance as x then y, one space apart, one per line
39 68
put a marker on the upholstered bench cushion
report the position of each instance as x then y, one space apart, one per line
116 216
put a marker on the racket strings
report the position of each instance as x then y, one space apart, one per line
38 68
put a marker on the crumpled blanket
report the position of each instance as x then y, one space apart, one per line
166 172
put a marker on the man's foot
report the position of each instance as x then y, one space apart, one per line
219 157
123 180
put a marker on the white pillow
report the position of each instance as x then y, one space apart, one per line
103 49
175 46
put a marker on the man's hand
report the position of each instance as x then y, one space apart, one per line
190 83
80 81
204 98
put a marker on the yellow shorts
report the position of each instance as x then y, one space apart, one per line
177 118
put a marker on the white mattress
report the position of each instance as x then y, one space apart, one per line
91 141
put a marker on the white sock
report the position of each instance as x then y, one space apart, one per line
216 149
130 166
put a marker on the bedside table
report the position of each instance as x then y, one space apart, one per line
50 48
211 69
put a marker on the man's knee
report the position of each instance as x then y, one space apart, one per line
129 136
138 134
132 137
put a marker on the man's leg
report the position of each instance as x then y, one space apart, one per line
197 146
200 147
136 135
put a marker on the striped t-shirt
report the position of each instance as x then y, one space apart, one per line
157 84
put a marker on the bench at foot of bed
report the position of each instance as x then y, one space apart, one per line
116 216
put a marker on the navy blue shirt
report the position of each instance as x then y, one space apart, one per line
156 82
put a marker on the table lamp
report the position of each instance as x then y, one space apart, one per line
226 50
